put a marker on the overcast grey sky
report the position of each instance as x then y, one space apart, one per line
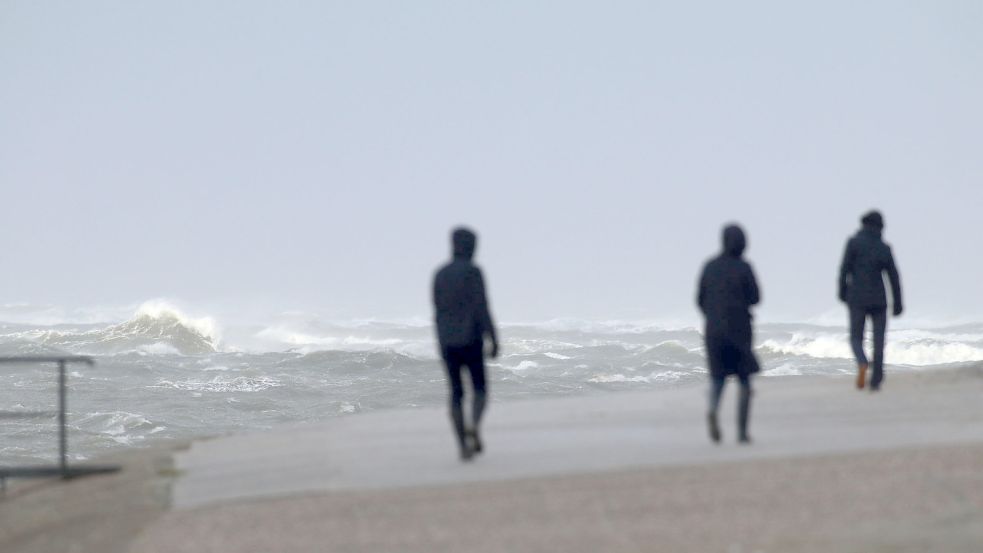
314 155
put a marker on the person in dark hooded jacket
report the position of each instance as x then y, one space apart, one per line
861 287
463 322
727 290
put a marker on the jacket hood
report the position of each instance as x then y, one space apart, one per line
873 219
463 242
873 222
734 240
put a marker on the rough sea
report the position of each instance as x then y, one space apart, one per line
160 374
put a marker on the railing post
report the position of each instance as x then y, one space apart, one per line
62 431
61 469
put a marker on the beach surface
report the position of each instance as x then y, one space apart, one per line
831 469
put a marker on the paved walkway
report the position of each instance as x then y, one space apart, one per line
792 417
832 469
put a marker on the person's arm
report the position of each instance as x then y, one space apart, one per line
751 290
484 313
846 269
701 293
892 275
433 292
435 300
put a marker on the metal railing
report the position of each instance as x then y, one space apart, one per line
62 469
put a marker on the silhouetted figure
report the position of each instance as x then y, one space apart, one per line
463 322
727 291
861 286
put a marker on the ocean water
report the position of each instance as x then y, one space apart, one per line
160 374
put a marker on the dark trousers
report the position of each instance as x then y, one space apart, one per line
858 319
743 404
455 359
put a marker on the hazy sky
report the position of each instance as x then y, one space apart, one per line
314 155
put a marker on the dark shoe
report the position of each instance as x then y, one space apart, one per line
713 427
744 439
861 375
466 453
475 441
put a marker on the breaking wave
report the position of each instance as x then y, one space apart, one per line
155 329
918 348
121 427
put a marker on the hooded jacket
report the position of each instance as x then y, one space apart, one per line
865 260
460 304
727 290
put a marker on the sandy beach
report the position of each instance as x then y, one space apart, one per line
831 469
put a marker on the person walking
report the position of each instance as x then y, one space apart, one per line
861 287
727 290
463 322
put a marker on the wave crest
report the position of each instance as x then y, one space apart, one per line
155 328
918 348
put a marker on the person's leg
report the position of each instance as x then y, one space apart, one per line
744 409
453 361
716 391
879 319
716 367
476 366
858 319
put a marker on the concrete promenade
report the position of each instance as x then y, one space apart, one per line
831 469
792 417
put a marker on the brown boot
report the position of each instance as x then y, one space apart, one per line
861 375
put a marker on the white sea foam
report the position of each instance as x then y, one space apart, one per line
221 384
612 326
823 346
158 348
609 378
292 338
663 377
917 348
671 376
312 337
115 423
524 365
925 354
785 369
163 309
